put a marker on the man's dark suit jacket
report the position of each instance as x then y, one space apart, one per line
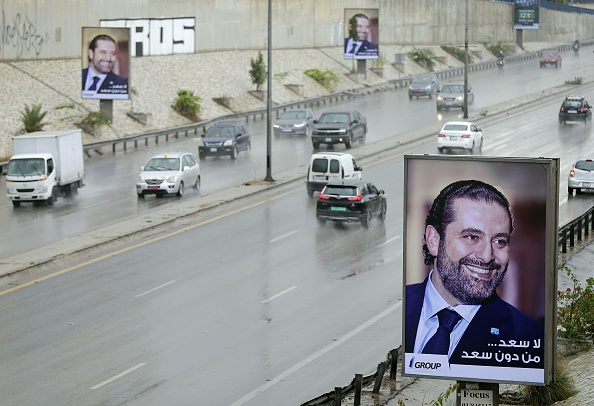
366 48
110 81
496 320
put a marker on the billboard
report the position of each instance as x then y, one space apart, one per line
526 14
361 33
105 63
480 246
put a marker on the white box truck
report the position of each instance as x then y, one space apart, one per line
45 165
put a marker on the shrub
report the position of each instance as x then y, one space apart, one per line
560 389
326 78
32 118
423 56
456 52
575 309
95 119
496 48
575 81
187 104
258 71
380 61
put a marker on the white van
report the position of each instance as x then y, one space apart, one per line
326 166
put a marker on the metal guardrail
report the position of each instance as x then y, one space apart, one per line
577 230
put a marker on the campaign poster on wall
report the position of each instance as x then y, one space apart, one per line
361 33
526 14
105 63
480 246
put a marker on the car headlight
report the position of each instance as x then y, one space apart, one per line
460 98
228 143
299 125
140 179
276 126
438 98
410 88
428 87
11 191
41 189
171 179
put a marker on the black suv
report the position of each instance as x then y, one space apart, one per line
225 138
349 200
339 127
575 109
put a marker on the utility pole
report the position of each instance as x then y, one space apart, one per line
269 101
466 62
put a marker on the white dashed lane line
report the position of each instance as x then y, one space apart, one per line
113 378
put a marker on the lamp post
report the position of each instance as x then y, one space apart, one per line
269 100
466 62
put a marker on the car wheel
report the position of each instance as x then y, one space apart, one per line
140 195
202 156
197 184
438 108
570 191
363 137
578 191
431 95
383 212
439 149
316 145
347 141
307 132
410 97
16 204
52 199
472 146
366 221
234 153
249 147
180 191
321 222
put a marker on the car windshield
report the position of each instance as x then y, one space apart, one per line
293 115
26 167
455 127
162 164
585 165
453 89
334 118
221 132
422 79
341 190
549 53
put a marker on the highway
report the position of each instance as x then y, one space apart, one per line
251 303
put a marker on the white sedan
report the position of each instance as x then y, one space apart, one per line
168 173
459 134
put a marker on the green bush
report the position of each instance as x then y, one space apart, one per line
187 104
575 309
95 119
560 389
32 118
258 71
326 78
424 57
457 53
496 48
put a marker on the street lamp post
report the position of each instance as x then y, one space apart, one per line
269 100
466 62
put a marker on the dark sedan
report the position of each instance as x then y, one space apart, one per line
348 201
339 127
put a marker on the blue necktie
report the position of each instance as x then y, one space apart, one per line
440 342
94 84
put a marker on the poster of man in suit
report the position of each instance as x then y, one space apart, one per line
361 33
480 262
105 63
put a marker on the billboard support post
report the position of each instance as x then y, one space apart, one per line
106 107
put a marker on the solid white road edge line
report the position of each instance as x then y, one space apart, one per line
113 378
388 241
153 289
316 355
278 294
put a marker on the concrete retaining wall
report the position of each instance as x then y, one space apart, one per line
44 29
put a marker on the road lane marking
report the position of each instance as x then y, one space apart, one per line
113 378
153 289
388 241
316 355
283 236
502 146
278 294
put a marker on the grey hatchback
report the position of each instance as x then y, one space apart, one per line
423 85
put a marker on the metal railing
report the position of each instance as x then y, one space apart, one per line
576 231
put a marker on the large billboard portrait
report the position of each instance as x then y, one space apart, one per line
361 33
105 63
480 244
526 14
